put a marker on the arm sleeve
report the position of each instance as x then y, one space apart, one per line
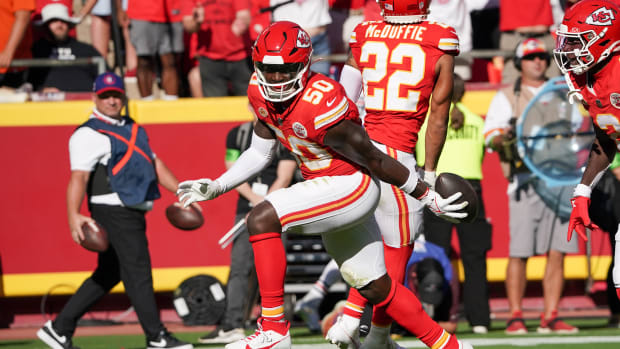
250 163
351 80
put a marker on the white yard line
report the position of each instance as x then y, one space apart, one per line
482 342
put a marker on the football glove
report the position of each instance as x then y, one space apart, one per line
579 218
444 208
198 190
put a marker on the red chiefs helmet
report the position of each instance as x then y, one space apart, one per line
404 11
285 48
589 33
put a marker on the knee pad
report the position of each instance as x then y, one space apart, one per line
365 266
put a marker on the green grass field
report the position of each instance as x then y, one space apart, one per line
593 334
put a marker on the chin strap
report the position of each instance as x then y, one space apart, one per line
574 94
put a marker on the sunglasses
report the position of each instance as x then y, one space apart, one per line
540 55
110 94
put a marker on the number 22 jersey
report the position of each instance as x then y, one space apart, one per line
398 69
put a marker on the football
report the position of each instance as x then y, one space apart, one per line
95 237
450 183
189 218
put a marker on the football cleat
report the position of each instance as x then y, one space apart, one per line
263 339
343 334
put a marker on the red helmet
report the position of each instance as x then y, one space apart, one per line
404 11
283 47
589 33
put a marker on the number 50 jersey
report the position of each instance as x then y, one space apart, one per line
397 62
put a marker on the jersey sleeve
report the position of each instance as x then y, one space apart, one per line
355 44
444 37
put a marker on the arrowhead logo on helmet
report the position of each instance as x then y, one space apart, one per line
602 16
303 39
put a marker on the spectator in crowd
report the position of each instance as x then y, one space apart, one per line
519 20
313 16
118 200
222 44
535 228
345 14
15 39
155 29
456 13
310 113
101 29
261 18
57 44
241 286
462 154
85 9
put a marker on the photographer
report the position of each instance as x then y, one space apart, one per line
535 229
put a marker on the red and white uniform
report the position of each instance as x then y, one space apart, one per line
337 197
398 69
397 63
602 98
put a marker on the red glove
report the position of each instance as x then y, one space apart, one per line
579 218
618 292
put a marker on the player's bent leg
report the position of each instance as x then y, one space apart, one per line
358 251
403 306
270 260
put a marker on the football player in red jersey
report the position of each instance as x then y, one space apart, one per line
400 62
311 115
588 41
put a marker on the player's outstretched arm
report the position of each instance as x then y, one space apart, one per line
350 140
601 154
250 163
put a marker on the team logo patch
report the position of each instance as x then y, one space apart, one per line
303 40
602 16
614 99
300 130
109 80
262 112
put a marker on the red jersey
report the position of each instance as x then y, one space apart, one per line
398 69
602 98
524 13
159 11
302 126
216 39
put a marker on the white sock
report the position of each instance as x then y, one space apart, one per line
163 96
148 98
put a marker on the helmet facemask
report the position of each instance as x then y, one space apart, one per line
572 53
275 91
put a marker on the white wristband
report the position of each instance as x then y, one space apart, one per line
582 190
411 183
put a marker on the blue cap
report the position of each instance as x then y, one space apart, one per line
108 82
